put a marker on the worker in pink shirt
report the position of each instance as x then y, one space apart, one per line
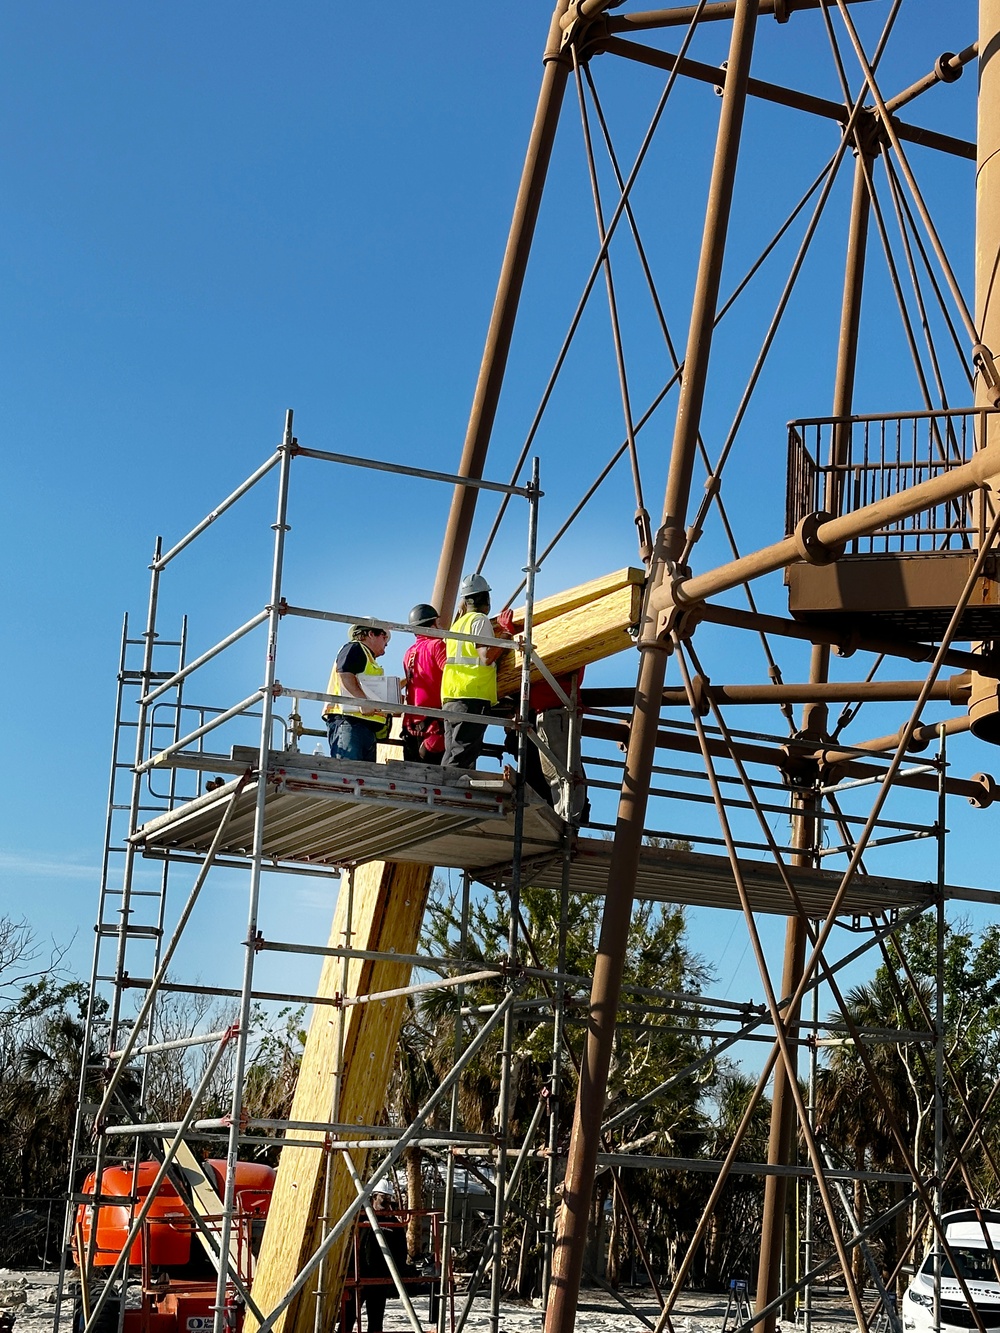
423 665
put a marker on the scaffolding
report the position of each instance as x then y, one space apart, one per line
280 811
696 829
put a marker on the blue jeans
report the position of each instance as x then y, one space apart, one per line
351 738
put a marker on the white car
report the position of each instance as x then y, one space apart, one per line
972 1253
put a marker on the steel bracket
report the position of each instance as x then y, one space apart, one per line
688 618
576 22
662 610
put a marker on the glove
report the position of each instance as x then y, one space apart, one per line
505 621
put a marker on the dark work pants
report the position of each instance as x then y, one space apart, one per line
373 1299
463 741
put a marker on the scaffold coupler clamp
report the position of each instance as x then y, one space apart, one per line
701 688
800 767
982 360
511 969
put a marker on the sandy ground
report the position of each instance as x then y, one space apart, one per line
30 1298
600 1312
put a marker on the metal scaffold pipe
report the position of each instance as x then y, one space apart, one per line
246 996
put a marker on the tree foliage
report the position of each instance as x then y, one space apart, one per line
42 1029
657 1053
895 1085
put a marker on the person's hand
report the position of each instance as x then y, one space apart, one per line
505 622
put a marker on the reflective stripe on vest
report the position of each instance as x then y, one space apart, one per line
372 668
465 676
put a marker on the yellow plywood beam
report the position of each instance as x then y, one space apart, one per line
580 634
548 608
386 911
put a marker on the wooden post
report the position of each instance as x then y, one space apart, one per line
387 911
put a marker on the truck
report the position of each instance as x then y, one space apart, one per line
171 1272
973 1238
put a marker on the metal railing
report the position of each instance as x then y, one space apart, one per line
840 464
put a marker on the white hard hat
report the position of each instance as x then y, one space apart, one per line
473 584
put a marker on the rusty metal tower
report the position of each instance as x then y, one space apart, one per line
891 522
886 548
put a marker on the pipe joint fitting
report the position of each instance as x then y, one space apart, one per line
960 689
990 791
849 644
665 605
947 68
811 549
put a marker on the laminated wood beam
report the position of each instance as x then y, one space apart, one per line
388 908
548 608
578 627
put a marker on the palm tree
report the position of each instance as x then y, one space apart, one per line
857 1124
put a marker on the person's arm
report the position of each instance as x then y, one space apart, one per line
489 654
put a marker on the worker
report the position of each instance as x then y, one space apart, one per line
355 729
552 722
373 1281
423 665
469 682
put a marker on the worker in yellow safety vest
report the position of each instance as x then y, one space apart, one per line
355 729
469 682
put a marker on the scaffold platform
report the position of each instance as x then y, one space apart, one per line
330 812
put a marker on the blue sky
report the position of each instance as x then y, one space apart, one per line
213 213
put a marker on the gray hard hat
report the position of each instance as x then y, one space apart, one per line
423 614
472 585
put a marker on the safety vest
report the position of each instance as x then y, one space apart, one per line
372 668
465 676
